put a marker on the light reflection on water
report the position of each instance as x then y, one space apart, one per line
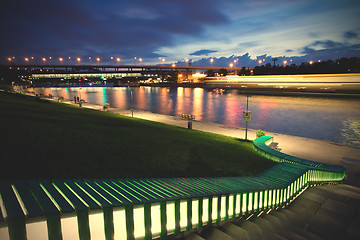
336 120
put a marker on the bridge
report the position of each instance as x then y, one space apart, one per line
113 68
153 208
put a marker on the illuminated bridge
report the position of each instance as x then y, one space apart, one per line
113 68
152 208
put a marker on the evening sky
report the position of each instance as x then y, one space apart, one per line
179 29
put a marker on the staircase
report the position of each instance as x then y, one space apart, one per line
321 212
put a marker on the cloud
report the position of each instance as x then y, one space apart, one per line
350 35
122 28
202 52
327 44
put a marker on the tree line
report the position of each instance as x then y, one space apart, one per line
343 65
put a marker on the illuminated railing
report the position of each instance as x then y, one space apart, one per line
148 208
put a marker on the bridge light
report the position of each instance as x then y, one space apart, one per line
61 59
78 59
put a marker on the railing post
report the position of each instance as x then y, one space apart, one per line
83 224
177 216
17 229
200 223
54 226
163 219
189 214
147 216
129 215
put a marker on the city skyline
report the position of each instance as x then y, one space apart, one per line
178 30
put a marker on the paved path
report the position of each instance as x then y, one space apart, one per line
311 149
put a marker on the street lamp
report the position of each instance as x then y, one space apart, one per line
285 62
78 59
173 65
89 60
98 60
118 60
61 60
26 60
211 61
140 60
44 60
247 115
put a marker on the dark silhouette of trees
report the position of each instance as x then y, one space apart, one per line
223 72
210 73
343 65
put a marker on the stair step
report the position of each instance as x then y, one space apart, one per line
235 231
268 228
194 236
254 231
215 234
288 230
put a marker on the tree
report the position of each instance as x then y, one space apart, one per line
223 72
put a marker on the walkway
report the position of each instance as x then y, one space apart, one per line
311 149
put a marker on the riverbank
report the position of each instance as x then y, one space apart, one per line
42 139
311 149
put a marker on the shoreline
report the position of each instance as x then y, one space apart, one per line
306 148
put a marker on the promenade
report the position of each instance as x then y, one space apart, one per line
311 149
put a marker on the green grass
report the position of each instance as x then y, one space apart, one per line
42 139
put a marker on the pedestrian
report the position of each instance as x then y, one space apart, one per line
75 99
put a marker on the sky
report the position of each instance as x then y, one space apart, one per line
300 30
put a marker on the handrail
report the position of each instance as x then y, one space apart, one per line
153 208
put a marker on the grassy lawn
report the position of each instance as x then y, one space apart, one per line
41 139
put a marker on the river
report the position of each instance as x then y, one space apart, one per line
324 118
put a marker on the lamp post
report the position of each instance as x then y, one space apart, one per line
247 115
131 101
211 61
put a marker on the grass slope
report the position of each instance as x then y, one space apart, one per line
42 139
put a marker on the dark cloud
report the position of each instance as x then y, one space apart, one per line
327 44
350 35
122 28
289 50
308 50
202 52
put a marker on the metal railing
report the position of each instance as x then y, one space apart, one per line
150 208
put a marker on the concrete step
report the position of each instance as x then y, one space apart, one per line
194 236
235 231
215 234
268 229
287 230
254 231
321 212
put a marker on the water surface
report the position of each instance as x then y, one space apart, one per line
331 119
